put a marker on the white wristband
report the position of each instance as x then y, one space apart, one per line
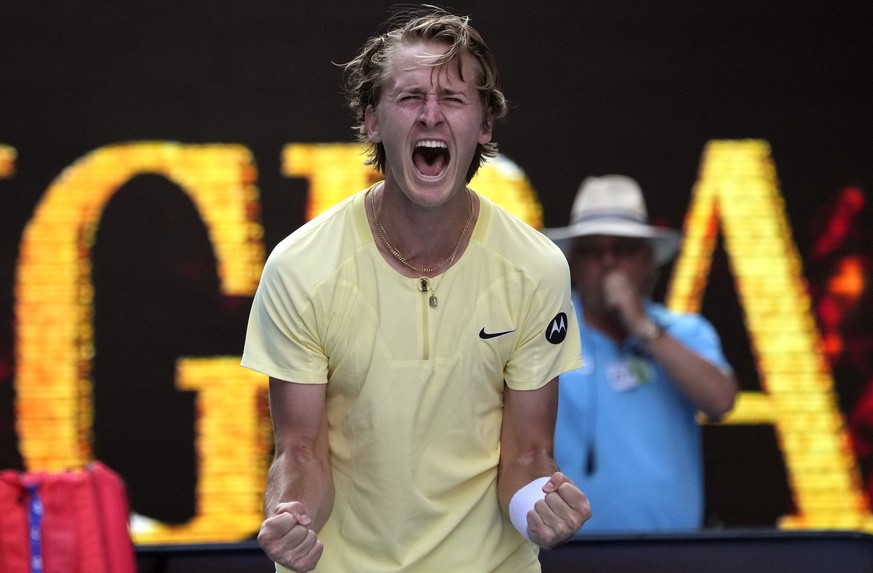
523 501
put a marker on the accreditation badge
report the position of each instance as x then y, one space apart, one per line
629 373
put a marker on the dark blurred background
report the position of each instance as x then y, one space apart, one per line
596 87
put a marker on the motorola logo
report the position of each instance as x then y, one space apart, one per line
556 332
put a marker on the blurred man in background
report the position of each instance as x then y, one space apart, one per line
626 429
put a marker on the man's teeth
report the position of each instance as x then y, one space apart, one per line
431 143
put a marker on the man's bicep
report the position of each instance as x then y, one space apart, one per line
529 418
298 413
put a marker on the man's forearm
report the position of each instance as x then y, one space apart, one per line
710 389
308 481
514 475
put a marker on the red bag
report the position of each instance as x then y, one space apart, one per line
65 522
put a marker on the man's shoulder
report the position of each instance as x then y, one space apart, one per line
679 323
508 233
323 230
319 246
661 311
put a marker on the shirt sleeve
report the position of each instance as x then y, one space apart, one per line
550 343
281 338
697 333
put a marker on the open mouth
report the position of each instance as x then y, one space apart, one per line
430 157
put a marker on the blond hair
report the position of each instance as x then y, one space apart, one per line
367 73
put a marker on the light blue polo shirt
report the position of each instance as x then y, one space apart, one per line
628 437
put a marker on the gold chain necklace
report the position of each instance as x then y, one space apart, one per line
397 255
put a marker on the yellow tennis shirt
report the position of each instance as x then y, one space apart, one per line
415 393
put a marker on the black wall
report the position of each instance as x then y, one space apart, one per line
596 86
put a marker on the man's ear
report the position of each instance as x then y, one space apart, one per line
371 122
485 133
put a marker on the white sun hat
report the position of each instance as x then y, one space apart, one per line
614 205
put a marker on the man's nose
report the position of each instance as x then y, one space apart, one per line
607 256
431 111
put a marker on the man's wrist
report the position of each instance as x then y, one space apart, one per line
523 501
648 330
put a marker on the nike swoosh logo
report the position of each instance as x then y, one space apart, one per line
486 335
